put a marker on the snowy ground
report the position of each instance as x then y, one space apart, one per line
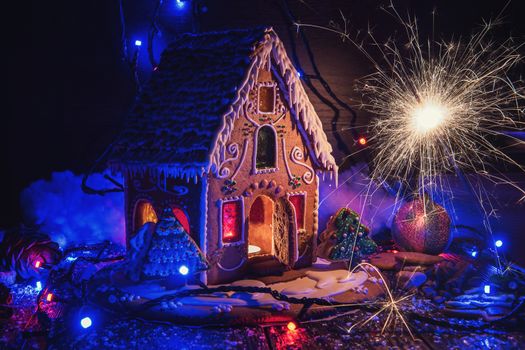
119 329
121 332
316 284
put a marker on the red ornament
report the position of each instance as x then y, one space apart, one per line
422 226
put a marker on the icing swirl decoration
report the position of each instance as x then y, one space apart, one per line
297 157
233 150
234 268
241 252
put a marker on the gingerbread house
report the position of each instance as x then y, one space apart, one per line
225 135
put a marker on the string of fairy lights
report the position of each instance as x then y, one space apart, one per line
435 110
393 305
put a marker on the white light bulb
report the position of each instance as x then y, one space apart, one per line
86 322
183 270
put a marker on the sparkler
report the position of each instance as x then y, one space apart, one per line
438 103
439 106
392 306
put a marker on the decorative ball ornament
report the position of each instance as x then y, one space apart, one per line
421 226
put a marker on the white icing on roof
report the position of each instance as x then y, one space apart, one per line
185 116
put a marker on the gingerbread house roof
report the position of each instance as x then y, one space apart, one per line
184 116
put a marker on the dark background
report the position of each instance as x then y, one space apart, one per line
69 86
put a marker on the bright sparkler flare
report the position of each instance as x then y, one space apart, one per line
439 106
428 116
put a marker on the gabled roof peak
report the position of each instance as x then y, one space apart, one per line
185 113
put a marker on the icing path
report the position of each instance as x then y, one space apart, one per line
316 284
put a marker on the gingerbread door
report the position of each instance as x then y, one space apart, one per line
283 229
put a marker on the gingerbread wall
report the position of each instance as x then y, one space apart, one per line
161 192
239 179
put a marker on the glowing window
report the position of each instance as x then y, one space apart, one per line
297 201
232 221
144 212
183 218
266 99
266 148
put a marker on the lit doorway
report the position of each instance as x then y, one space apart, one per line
260 227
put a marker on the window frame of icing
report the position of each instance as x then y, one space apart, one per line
273 86
275 168
242 237
304 195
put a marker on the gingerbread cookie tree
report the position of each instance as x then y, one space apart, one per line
346 238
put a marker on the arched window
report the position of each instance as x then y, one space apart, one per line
266 148
144 212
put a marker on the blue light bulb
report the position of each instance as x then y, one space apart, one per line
138 43
486 289
474 253
179 3
499 243
86 322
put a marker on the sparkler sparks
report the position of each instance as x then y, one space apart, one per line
438 104
439 107
392 305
